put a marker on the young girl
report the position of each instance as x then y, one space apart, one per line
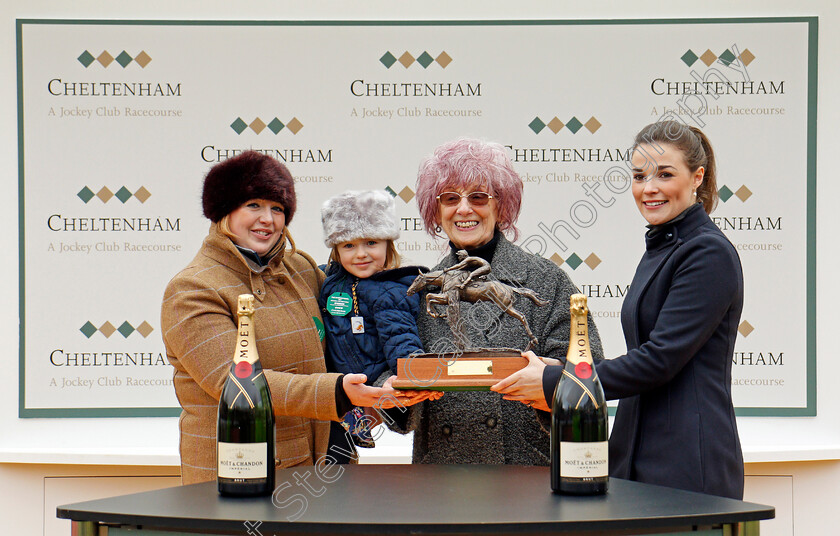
369 318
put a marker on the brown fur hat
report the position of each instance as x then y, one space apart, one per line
249 175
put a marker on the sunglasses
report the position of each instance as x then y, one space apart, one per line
476 199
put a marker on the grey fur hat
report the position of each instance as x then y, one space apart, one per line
358 214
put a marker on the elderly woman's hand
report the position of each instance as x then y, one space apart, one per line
526 384
384 397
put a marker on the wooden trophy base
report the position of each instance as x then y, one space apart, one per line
450 371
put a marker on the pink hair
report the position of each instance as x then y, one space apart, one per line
470 165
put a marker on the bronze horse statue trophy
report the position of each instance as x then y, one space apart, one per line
458 285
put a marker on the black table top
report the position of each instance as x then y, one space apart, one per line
421 499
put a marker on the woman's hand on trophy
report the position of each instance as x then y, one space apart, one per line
525 385
360 394
384 397
551 361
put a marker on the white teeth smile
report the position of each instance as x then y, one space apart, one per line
465 224
654 203
264 233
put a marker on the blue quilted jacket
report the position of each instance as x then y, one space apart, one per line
390 328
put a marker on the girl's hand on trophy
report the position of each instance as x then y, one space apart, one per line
409 397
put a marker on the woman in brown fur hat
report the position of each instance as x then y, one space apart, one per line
250 200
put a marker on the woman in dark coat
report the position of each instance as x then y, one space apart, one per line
675 425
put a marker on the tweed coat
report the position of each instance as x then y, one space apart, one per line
199 331
479 426
675 424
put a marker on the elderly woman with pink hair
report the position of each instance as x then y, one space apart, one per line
468 192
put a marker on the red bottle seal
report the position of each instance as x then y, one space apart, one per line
243 369
583 370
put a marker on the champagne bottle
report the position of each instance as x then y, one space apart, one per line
245 426
579 416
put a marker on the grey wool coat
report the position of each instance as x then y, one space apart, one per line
479 426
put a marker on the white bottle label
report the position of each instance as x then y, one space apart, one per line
584 460
242 460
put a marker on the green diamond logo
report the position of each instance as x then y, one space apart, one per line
85 194
88 329
276 125
239 125
425 59
574 125
689 57
126 329
536 125
574 261
391 191
727 57
123 194
86 58
725 193
388 60
124 58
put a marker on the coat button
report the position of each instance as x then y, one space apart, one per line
669 235
446 430
490 422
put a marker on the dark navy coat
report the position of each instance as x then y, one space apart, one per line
675 423
390 328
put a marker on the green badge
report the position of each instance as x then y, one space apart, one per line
320 327
339 303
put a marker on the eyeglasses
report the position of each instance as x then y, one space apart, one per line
476 199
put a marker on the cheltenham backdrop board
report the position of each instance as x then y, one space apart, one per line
120 120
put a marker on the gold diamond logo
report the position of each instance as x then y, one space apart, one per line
555 125
406 59
745 328
746 57
104 194
557 259
143 59
142 194
105 59
743 193
443 59
294 125
406 194
592 125
708 58
107 329
592 261
145 329
257 125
